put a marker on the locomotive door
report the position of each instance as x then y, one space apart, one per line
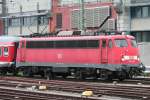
22 51
104 53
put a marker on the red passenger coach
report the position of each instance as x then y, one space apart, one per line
8 52
109 57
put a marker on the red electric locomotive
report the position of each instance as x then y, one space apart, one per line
114 56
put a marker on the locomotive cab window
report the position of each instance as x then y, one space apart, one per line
103 43
121 43
110 44
6 51
133 43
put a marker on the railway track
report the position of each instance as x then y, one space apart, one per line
145 81
121 90
18 94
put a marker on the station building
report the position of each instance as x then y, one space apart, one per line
140 19
2 13
133 17
139 27
25 17
69 16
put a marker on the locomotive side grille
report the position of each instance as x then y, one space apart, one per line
63 44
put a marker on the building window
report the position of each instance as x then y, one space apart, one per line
145 11
149 11
141 36
6 23
146 36
140 12
14 22
31 20
26 21
133 12
42 20
59 20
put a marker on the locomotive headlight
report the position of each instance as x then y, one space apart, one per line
123 59
136 58
130 58
126 57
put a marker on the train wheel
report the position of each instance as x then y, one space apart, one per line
79 75
42 74
3 72
122 76
130 76
64 76
15 72
27 73
49 75
109 77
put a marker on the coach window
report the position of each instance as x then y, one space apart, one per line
110 44
0 51
22 45
103 43
5 51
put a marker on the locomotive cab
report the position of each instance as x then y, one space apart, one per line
125 54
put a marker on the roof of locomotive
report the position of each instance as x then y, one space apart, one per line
9 39
78 37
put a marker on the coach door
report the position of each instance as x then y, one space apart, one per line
22 51
104 53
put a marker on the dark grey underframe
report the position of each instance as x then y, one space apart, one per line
110 67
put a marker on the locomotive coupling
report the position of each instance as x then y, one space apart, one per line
142 67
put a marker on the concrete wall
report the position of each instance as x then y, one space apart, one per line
27 30
28 8
13 6
140 24
123 20
145 53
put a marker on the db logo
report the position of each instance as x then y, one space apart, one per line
59 56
